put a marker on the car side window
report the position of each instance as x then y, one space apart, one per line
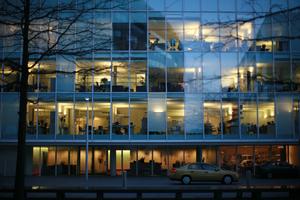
193 166
208 167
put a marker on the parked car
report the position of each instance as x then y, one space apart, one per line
202 172
276 169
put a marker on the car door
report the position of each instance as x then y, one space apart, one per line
210 173
195 171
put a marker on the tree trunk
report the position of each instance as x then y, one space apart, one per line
21 148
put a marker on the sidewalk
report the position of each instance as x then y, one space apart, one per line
106 181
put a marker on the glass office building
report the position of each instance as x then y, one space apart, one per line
178 81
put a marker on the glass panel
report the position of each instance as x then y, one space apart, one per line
211 72
84 75
138 31
191 5
227 5
101 118
245 159
192 73
65 116
157 5
47 76
212 117
100 161
138 119
138 5
10 109
62 161
157 115
102 33
247 72
157 72
65 67
175 72
48 161
33 79
193 115
120 31
32 112
296 72
102 78
173 5
156 25
192 32
209 5
294 29
282 72
120 119
46 117
248 116
229 72
284 116
210 32
120 79
138 73
174 33
228 157
228 32
296 114
264 72
175 116
81 116
266 116
230 116
10 77
246 32
144 162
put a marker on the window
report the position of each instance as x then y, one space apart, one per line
120 31
138 31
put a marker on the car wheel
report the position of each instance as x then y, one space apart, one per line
186 180
227 180
269 175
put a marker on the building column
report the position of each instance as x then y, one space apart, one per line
199 154
113 162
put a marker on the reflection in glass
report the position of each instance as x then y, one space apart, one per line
138 73
264 72
120 31
157 115
229 72
296 72
211 72
248 116
120 119
192 72
210 32
175 118
84 76
230 117
266 116
120 79
156 31
138 31
101 118
212 119
157 82
192 33
174 34
284 116
247 72
282 72
175 72
193 115
138 119
102 78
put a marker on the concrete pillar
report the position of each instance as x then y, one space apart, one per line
199 154
113 162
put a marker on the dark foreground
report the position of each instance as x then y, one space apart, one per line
149 188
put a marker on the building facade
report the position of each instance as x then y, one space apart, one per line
178 81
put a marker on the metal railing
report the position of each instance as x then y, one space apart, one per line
174 192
